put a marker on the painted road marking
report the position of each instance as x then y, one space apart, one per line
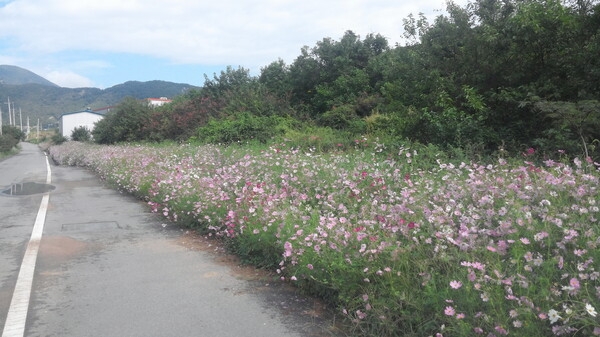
19 305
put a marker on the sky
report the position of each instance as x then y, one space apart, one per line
102 43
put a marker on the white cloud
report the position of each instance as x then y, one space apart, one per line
50 34
68 79
248 33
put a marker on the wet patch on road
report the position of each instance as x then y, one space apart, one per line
28 188
90 226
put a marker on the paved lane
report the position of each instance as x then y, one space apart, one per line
17 217
106 267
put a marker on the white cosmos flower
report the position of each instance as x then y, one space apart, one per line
553 316
591 310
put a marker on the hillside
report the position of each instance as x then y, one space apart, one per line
14 75
39 98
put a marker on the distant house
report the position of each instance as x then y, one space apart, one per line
153 102
104 110
71 120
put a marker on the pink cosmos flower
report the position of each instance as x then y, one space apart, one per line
501 330
478 265
560 262
288 249
530 151
455 284
574 282
449 311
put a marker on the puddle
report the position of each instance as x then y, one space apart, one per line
28 188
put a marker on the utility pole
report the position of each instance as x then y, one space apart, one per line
21 119
13 116
9 114
28 129
0 121
38 130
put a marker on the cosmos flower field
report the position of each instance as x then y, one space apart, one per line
399 243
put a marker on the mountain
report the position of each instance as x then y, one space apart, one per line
44 100
15 75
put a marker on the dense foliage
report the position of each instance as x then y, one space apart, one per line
81 134
124 123
493 76
11 136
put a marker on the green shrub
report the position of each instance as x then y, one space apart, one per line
81 134
339 118
240 128
320 139
58 139
7 143
11 136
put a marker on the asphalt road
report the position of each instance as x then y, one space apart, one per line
107 267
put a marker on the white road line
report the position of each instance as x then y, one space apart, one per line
48 171
19 305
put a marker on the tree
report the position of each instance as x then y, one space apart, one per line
335 72
228 80
582 119
180 119
125 123
276 78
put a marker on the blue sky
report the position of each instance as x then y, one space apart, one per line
102 43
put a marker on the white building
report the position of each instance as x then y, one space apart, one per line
153 102
71 120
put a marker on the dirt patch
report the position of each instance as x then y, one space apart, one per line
61 247
195 241
56 250
313 316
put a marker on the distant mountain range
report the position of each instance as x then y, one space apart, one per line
14 75
37 97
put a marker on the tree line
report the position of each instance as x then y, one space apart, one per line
494 75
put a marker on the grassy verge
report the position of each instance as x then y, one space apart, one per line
402 242
5 154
